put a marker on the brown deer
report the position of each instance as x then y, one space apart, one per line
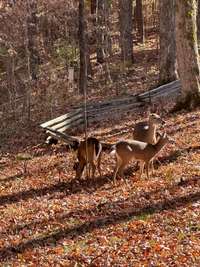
89 152
146 131
141 151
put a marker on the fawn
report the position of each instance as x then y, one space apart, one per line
89 152
141 151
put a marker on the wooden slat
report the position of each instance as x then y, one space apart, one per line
130 98
99 111
75 123
67 122
60 119
69 117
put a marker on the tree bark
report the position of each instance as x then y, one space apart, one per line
82 47
167 42
187 52
100 31
108 41
126 27
140 20
93 6
198 20
32 37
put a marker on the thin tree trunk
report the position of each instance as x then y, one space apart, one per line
93 6
126 27
198 20
100 31
167 42
32 37
140 20
82 47
108 40
187 52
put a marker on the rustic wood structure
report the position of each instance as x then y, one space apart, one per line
98 111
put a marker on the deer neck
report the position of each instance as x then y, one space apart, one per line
160 144
152 130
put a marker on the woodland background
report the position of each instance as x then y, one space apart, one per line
115 49
39 43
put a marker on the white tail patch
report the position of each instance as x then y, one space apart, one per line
129 148
100 149
95 157
113 150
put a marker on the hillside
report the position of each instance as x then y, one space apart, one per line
49 218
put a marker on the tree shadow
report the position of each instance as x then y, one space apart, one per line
101 222
59 218
11 178
72 187
172 157
178 128
89 184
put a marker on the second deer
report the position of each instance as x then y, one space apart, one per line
144 152
89 152
146 131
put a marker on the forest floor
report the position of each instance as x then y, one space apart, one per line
47 218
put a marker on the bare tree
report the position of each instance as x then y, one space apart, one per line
198 20
140 20
32 37
82 47
167 42
126 27
100 31
31 49
187 52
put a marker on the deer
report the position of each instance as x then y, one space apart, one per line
89 152
144 152
146 131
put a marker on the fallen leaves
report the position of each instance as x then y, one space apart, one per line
49 219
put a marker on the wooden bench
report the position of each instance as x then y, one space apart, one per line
97 111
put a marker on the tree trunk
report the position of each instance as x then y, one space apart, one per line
32 37
126 27
82 47
198 20
167 42
140 20
187 52
100 31
93 6
108 40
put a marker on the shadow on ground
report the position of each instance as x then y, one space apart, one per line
114 217
89 184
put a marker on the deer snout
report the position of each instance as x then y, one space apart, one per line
171 140
162 122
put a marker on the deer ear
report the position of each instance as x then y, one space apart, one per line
164 134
